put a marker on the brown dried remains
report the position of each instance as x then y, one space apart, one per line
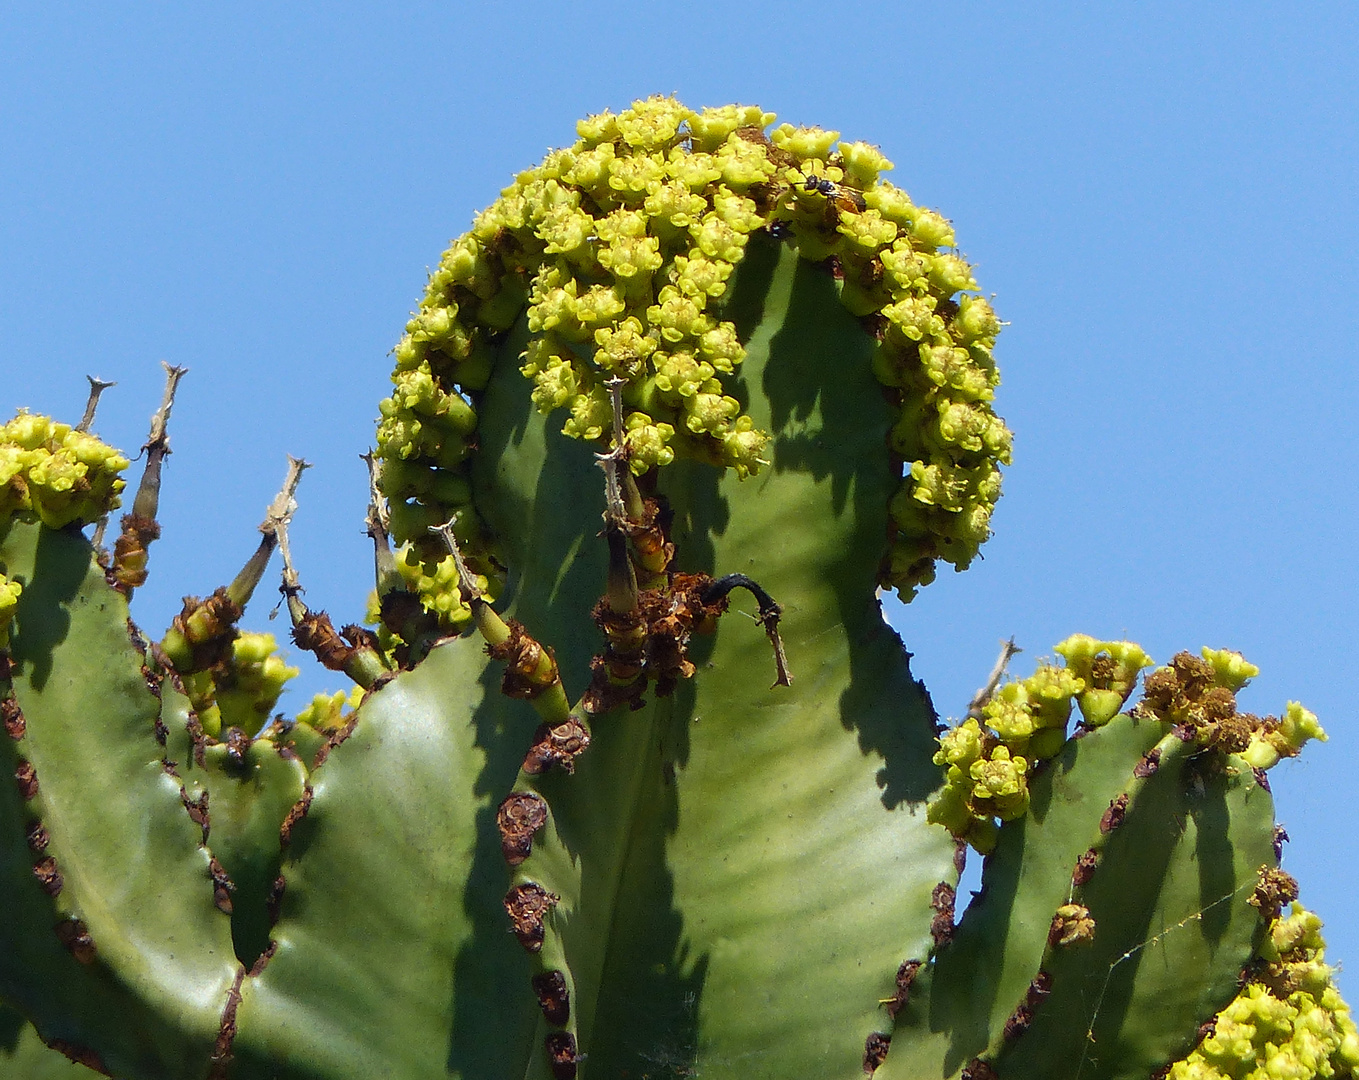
527 905
520 816
198 811
556 745
562 1055
237 746
27 778
49 877
1039 989
650 538
1280 838
977 1069
317 634
1187 694
295 814
905 977
222 886
262 961
74 935
553 997
942 900
37 838
194 727
529 668
15 727
1113 817
274 903
875 1051
1150 762
128 570
226 1031
209 628
1017 1023
650 643
1274 889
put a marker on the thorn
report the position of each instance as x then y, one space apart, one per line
276 519
97 540
377 504
1008 650
281 510
157 446
467 584
162 415
614 511
615 388
97 387
276 523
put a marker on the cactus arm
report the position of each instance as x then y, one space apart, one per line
669 844
390 959
1172 895
131 867
958 1007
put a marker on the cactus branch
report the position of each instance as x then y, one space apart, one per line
97 387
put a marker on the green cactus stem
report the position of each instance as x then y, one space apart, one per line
688 394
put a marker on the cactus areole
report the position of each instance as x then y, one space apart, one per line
631 780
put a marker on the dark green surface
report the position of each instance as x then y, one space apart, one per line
24 1056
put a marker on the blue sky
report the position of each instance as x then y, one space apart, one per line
1162 198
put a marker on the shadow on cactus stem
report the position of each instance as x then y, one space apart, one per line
42 613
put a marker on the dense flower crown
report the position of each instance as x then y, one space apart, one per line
618 251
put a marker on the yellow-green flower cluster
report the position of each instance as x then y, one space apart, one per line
619 249
988 761
243 690
331 712
1199 695
435 581
1284 737
60 474
1109 670
1288 1023
9 604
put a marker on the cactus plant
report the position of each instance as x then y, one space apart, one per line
578 817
